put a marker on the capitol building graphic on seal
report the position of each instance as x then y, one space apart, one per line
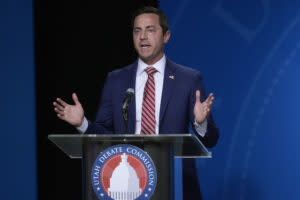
124 182
123 172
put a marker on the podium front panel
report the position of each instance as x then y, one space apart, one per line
158 152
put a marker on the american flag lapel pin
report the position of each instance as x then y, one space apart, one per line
171 77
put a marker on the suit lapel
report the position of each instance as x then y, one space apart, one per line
132 106
168 87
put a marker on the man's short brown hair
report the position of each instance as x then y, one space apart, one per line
163 20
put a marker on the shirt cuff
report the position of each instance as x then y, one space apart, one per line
84 126
201 128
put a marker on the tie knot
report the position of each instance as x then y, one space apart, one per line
150 70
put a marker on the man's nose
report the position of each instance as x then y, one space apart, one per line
144 35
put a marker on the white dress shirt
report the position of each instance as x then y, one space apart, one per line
141 79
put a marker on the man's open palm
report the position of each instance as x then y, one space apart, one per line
201 110
73 114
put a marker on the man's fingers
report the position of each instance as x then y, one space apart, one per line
210 103
210 98
59 111
75 98
198 96
59 100
61 116
207 106
59 107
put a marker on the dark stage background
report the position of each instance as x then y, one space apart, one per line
77 44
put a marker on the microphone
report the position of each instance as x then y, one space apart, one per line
126 101
125 104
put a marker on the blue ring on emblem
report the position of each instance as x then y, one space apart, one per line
138 153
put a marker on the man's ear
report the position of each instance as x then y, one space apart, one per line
167 36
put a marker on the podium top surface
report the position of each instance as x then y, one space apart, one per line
184 145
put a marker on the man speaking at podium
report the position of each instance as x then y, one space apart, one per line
168 97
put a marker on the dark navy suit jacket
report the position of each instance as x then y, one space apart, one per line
176 111
177 103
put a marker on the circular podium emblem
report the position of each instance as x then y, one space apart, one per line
123 172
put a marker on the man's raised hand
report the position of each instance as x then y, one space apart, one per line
73 114
201 110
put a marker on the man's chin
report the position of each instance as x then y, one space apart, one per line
146 58
150 59
145 54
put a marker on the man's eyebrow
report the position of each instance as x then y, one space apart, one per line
150 26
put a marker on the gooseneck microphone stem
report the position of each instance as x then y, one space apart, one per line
125 117
126 126
125 105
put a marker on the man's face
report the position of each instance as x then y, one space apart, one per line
148 37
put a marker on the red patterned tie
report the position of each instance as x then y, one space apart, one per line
148 107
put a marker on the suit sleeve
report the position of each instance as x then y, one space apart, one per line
104 119
212 134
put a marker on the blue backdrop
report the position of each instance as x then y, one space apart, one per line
17 115
249 56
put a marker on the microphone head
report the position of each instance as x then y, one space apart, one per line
128 96
130 91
